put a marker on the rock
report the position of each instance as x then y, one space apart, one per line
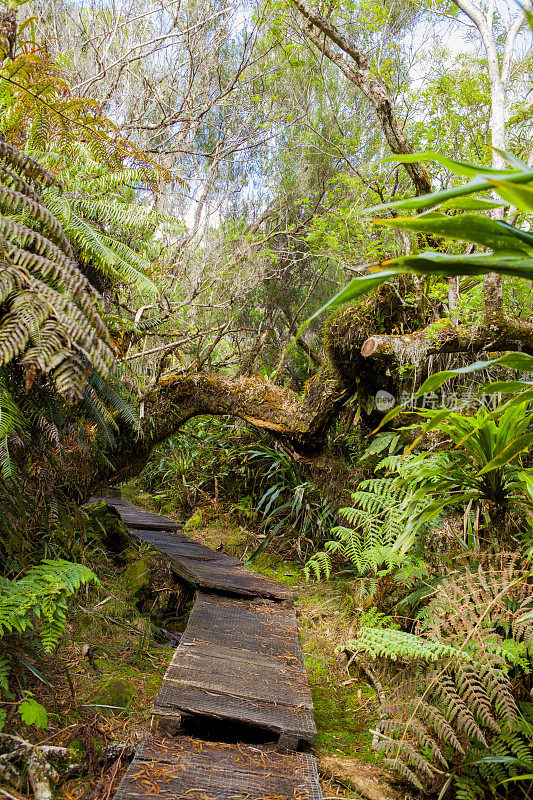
367 779
116 692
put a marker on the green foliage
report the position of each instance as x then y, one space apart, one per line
484 471
375 542
111 231
49 309
33 713
42 594
287 502
36 602
394 644
455 707
512 247
216 458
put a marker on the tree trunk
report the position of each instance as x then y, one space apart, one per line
373 88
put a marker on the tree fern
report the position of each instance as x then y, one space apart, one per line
48 312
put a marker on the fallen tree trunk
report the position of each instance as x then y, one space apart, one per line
444 337
367 779
299 422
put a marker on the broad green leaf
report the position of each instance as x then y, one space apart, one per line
434 422
467 227
434 509
433 263
464 168
527 479
513 449
472 204
518 361
506 387
33 713
519 196
482 182
356 288
527 776
511 159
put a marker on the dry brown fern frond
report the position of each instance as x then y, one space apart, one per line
467 701
488 598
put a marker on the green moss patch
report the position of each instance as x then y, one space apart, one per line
342 713
116 692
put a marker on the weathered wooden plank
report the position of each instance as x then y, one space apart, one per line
241 660
179 545
191 769
197 564
240 657
247 626
218 577
240 678
279 719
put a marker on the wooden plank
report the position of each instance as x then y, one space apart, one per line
191 769
241 660
240 678
279 719
240 657
179 545
216 576
195 563
246 626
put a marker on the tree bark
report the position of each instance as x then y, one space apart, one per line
299 422
505 333
367 779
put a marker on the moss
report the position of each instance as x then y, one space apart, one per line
106 525
153 684
137 574
440 330
194 522
341 712
116 692
78 749
217 530
287 572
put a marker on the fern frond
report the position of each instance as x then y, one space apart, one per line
42 594
456 710
25 165
393 644
397 765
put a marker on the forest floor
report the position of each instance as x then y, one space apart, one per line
108 669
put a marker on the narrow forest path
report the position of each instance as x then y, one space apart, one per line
239 662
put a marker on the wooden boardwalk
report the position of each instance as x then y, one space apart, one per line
240 661
196 564
183 767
